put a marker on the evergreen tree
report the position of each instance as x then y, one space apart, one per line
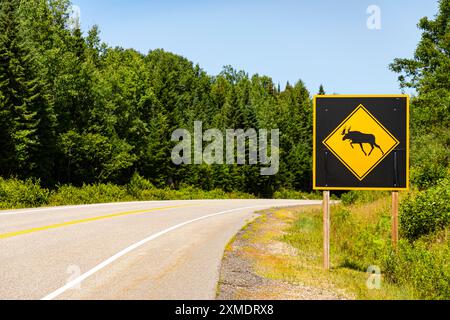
27 127
321 90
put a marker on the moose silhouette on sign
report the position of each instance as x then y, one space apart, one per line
360 138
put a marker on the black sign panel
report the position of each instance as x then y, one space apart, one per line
361 142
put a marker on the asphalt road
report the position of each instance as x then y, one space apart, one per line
140 250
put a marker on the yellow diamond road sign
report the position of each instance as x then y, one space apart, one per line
361 142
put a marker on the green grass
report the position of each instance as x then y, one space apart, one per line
360 238
349 257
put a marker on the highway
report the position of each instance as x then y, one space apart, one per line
140 250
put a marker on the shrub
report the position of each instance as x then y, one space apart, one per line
137 185
16 194
426 211
349 197
361 197
424 267
89 194
430 158
292 194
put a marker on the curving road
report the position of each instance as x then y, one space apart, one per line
138 250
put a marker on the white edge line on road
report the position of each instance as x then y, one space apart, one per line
118 255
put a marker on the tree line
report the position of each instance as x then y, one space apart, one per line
74 110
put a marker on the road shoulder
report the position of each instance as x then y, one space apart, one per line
258 264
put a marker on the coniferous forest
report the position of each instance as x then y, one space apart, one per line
76 111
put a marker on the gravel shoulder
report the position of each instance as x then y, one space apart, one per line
251 270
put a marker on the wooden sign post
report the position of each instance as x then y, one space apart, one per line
326 230
395 219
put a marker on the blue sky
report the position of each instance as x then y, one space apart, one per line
319 41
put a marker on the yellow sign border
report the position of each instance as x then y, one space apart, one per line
315 187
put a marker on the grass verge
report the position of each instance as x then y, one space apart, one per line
286 246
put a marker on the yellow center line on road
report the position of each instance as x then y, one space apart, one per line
70 223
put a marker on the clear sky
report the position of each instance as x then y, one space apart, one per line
317 41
